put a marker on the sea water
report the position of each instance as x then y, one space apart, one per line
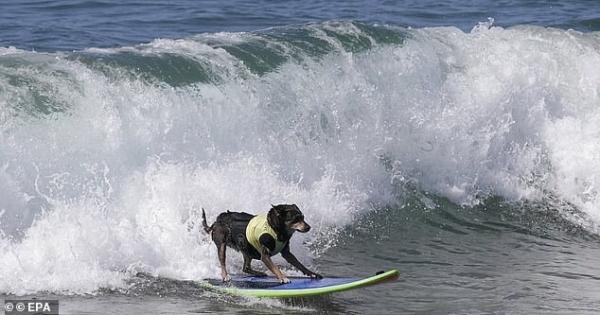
455 142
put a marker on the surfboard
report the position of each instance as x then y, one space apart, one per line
298 286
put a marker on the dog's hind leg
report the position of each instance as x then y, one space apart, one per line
222 247
248 267
219 236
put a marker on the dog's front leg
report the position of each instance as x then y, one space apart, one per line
266 259
289 257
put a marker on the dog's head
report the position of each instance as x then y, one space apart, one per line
287 219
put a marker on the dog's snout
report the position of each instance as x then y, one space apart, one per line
305 227
301 227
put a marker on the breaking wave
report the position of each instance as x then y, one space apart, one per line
107 155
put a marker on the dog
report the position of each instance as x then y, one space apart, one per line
259 237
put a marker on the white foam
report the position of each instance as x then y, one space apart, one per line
10 50
117 176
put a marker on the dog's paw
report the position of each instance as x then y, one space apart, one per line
226 278
284 280
315 275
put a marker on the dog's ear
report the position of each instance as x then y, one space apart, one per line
274 217
278 209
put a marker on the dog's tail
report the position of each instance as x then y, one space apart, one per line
207 228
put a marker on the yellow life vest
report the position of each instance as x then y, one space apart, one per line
259 226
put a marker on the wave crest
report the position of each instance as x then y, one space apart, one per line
108 154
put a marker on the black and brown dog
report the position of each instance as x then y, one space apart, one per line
259 237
